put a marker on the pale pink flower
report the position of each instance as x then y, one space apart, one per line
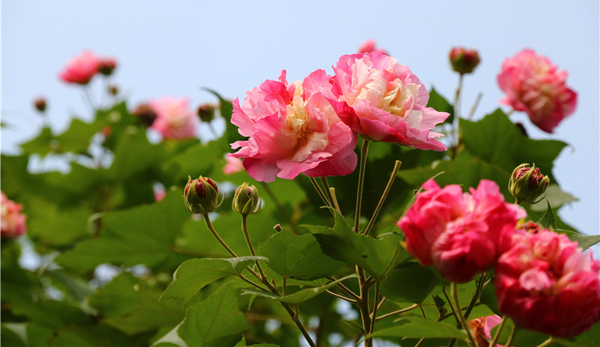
545 283
534 85
369 46
81 68
174 119
159 194
384 101
458 232
292 129
233 165
13 221
482 329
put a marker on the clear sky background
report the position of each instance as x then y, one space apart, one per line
176 47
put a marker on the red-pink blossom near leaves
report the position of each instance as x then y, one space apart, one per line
13 221
233 165
174 119
534 85
384 101
545 283
292 129
458 232
81 68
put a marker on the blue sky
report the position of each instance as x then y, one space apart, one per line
176 47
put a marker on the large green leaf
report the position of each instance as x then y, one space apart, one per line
377 256
141 235
497 141
417 327
195 274
298 256
409 282
216 321
51 225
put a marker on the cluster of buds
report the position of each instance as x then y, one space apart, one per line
464 60
201 195
527 184
107 66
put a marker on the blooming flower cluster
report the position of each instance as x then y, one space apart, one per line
174 119
458 233
82 68
310 127
534 85
13 221
544 282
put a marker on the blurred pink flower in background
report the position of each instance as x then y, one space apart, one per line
545 283
292 129
81 68
369 46
534 85
458 232
13 221
174 119
384 101
482 329
233 165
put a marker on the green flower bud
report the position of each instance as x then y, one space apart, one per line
201 195
464 60
206 112
246 200
527 184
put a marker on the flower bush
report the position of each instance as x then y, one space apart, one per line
312 210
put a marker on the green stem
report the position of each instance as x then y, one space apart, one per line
409 308
511 337
477 101
375 307
383 197
320 191
280 208
476 295
334 200
547 342
461 318
361 183
251 248
216 235
497 335
327 191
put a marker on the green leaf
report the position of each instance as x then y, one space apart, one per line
417 327
488 297
43 144
195 274
216 321
377 256
497 141
547 221
298 256
439 103
584 241
141 235
409 282
116 298
50 225
13 335
556 197
299 296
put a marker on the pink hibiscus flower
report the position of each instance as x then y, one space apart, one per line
13 221
384 101
292 129
174 120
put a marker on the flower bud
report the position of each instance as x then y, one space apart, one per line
40 104
527 184
145 114
246 200
201 195
206 112
113 90
106 67
464 60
